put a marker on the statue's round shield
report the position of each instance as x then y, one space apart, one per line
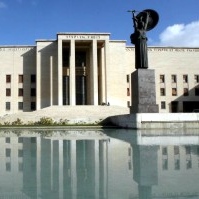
153 18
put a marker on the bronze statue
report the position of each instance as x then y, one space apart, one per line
144 21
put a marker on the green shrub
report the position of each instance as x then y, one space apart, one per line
45 121
17 122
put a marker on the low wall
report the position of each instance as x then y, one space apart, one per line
157 120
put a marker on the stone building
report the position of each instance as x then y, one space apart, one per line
91 69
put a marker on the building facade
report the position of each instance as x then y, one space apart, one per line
91 69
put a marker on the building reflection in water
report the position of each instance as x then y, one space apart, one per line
98 165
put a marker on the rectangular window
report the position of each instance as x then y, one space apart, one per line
128 92
186 92
20 153
7 140
33 92
33 78
185 78
20 78
174 91
8 78
8 152
20 167
128 104
196 91
20 92
8 166
162 91
8 92
173 78
20 140
163 105
196 78
33 106
127 78
7 105
20 105
162 80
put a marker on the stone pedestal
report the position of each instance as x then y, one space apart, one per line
143 92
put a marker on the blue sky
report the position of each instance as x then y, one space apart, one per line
24 21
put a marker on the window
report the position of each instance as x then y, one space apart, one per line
20 105
7 105
8 78
33 106
162 91
20 167
173 79
20 92
33 78
197 91
128 92
8 166
186 92
196 78
8 92
163 105
127 78
8 152
162 79
128 103
20 140
20 153
20 78
185 78
33 92
7 140
174 91
164 151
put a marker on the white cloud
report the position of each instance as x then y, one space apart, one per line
2 5
184 35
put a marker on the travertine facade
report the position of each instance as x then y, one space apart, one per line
91 69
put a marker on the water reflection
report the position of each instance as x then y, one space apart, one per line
111 164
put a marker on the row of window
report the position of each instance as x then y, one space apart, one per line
174 91
21 78
174 78
21 92
20 106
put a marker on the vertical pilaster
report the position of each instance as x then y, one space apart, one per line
61 193
51 80
94 74
106 64
73 170
96 169
38 168
72 73
103 78
38 80
60 89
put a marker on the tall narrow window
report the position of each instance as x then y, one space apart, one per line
8 78
20 78
197 91
185 78
20 105
33 106
8 92
162 92
196 78
127 78
162 80
7 106
163 105
174 91
173 79
33 92
186 92
33 78
20 92
128 92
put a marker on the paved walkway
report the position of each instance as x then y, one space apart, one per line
74 114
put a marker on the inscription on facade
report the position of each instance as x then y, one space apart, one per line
84 37
14 49
169 49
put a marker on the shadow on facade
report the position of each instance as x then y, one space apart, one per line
186 103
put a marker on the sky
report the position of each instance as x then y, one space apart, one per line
24 21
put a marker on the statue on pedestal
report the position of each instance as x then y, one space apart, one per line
143 21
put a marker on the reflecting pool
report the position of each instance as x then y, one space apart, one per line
98 164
